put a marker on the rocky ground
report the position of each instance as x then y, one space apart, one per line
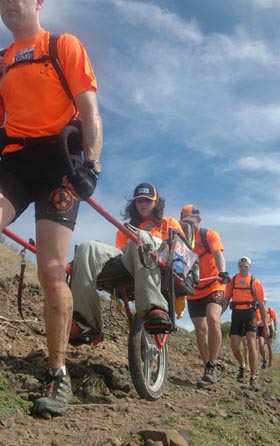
106 409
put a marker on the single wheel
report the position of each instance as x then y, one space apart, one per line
148 363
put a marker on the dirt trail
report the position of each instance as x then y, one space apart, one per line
106 407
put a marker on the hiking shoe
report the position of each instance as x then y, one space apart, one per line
57 394
210 375
241 374
253 382
157 321
83 334
264 364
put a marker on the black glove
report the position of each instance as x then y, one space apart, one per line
225 276
85 179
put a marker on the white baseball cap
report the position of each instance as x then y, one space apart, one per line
245 259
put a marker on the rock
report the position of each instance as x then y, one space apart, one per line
166 437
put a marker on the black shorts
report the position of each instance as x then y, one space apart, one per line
197 307
260 332
243 321
34 174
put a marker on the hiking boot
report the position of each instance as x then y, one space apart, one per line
57 394
210 375
241 374
264 364
253 382
157 321
83 334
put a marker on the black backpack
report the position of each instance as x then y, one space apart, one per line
251 288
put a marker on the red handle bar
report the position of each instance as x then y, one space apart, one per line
113 220
98 208
205 279
19 240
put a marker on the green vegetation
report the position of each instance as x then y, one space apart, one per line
10 402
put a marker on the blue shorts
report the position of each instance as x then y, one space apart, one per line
34 174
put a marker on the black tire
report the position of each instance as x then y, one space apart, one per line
148 364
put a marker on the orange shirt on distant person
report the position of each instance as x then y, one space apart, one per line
150 226
270 316
33 99
207 264
242 292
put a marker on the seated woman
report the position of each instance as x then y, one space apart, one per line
145 211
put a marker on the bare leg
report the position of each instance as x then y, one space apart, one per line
261 347
53 241
7 212
251 340
213 314
270 351
235 347
201 333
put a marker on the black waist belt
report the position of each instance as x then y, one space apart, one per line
247 305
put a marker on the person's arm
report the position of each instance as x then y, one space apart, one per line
227 296
275 323
220 261
92 128
264 319
221 266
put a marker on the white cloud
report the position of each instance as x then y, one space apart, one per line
158 19
266 4
263 163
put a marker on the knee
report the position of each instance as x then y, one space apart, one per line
50 276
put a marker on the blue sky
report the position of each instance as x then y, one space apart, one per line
190 100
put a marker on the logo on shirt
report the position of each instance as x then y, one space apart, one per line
26 54
148 227
242 281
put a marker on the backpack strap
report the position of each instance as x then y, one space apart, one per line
53 52
203 236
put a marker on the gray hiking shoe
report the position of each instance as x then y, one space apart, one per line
210 375
264 364
57 395
253 382
241 374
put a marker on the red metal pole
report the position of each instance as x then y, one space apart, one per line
205 279
19 240
113 220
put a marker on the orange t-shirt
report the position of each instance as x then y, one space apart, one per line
32 97
150 226
242 292
270 316
207 264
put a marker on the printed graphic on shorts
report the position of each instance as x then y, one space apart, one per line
61 201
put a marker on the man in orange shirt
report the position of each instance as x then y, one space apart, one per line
145 211
35 108
205 306
245 291
271 317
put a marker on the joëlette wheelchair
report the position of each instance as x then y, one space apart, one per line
147 348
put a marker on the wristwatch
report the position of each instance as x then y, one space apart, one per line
95 165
